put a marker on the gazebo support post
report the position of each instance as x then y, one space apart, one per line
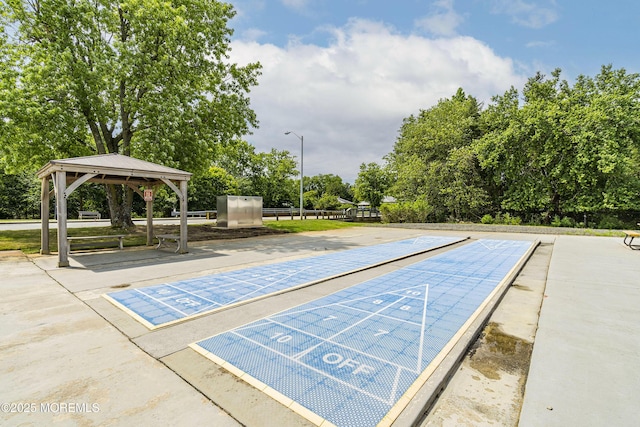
44 216
183 217
61 209
150 222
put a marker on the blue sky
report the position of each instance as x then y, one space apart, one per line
344 73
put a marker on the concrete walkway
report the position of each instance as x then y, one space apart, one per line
61 363
585 367
68 356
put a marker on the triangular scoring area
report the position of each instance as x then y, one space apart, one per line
372 344
391 326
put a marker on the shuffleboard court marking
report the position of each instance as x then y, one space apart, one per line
169 303
357 357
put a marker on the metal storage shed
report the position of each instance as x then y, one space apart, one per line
69 174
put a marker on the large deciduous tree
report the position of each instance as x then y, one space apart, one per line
205 188
432 159
270 176
145 78
322 191
372 184
566 150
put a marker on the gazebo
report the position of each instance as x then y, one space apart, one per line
69 174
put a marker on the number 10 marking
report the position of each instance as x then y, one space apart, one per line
281 337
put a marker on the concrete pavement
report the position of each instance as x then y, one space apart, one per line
585 367
66 347
62 363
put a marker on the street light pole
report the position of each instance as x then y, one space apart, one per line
301 168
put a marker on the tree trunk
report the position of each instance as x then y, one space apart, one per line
119 198
555 203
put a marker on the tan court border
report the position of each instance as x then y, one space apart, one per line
414 389
152 327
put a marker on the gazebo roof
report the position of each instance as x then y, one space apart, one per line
114 167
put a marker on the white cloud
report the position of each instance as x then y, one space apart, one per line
252 34
443 21
528 14
540 44
348 99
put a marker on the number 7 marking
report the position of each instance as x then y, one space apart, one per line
330 317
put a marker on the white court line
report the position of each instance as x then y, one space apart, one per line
459 276
322 373
501 244
408 322
212 287
350 327
421 238
235 279
213 303
242 281
394 387
423 328
327 341
394 292
268 285
160 301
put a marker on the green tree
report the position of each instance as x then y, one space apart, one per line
235 157
463 192
311 199
19 195
604 125
372 184
323 190
148 79
328 201
531 152
271 177
432 160
565 149
205 189
328 184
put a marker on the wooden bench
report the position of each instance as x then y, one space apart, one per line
163 238
206 214
98 241
88 215
628 239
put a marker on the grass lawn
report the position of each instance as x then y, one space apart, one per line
28 241
297 226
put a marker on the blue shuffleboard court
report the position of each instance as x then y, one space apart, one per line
168 303
358 356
